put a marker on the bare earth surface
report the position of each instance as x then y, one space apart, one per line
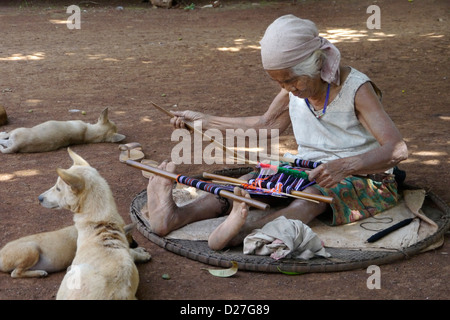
209 60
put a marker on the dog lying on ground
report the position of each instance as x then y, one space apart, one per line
39 254
103 267
52 135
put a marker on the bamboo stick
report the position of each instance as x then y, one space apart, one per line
226 194
233 153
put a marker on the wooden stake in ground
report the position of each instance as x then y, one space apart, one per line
3 116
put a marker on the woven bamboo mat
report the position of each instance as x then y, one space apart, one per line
340 260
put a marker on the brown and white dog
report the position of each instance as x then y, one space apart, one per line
52 135
103 267
39 254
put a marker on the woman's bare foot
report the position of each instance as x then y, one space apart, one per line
227 230
160 204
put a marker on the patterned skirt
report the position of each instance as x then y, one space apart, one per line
358 198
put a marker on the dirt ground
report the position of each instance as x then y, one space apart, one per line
208 59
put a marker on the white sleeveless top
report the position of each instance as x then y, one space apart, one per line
338 134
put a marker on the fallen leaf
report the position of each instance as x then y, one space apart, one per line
165 276
290 273
223 273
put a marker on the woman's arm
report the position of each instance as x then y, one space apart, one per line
392 150
276 117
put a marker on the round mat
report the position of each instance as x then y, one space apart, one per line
341 259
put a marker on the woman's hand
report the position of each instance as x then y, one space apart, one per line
181 117
329 174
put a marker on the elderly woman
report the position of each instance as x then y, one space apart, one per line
337 119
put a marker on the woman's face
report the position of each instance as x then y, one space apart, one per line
300 86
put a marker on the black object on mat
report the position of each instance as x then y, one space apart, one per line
377 236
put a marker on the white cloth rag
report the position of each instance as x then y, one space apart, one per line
285 238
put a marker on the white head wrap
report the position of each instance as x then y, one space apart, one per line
290 40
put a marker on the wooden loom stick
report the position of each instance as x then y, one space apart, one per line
293 192
193 128
226 149
226 194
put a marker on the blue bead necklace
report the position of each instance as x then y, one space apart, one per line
318 116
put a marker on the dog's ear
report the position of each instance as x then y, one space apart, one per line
103 116
77 160
74 181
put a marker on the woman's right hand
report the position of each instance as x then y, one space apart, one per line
181 117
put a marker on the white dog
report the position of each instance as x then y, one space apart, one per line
103 267
52 135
